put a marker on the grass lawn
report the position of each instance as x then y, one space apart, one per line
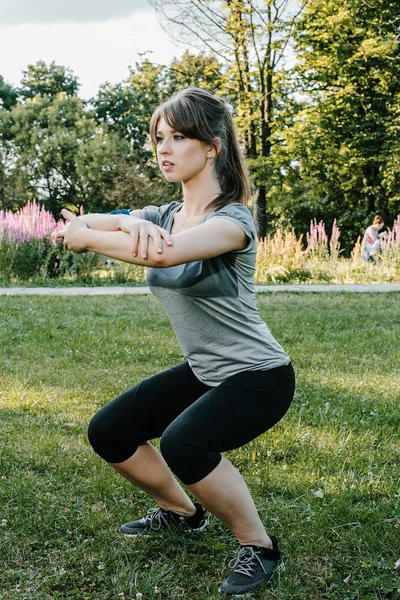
325 479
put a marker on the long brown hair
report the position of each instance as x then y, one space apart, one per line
199 115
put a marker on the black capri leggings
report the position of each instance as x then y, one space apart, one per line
196 422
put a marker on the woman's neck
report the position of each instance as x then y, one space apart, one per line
196 198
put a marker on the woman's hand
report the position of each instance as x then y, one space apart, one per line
72 232
140 231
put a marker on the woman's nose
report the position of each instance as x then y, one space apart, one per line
164 148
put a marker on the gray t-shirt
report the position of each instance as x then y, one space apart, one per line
211 304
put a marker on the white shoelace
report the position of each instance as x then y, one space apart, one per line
156 518
245 562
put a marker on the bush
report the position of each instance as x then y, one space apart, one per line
30 251
281 258
23 260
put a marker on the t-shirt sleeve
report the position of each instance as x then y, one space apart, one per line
158 214
240 214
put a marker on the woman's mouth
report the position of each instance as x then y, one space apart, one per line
167 166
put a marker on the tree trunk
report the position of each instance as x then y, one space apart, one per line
265 131
369 203
371 183
260 212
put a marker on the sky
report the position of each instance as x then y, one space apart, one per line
97 39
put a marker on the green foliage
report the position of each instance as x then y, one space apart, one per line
42 262
322 140
55 153
340 149
8 94
41 259
194 70
123 111
23 260
48 80
126 108
325 479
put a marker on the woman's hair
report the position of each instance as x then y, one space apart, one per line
377 220
199 115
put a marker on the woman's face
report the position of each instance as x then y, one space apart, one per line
378 226
180 158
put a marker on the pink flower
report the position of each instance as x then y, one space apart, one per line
31 222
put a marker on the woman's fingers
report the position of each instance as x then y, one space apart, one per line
68 215
134 233
143 243
148 230
165 235
158 242
140 233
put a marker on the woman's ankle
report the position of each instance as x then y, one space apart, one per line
187 511
261 542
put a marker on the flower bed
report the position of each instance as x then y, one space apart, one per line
30 252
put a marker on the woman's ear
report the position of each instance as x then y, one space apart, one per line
218 144
215 149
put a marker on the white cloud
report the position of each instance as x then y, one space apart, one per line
17 12
95 52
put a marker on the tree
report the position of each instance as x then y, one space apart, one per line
349 70
391 150
42 80
8 94
194 70
55 149
54 152
124 110
251 37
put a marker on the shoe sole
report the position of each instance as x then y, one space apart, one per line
198 530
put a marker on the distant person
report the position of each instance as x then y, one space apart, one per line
237 381
373 236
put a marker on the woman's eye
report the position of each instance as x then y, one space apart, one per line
159 139
178 137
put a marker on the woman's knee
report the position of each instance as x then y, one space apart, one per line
99 431
109 439
188 456
171 446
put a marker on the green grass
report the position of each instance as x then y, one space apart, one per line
325 479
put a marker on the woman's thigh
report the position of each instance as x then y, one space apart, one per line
237 411
251 403
143 412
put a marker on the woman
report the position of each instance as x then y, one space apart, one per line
237 381
373 236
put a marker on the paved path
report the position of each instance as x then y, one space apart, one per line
117 290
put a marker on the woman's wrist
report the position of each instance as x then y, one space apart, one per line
126 220
101 221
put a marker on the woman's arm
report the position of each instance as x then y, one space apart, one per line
107 222
139 229
212 238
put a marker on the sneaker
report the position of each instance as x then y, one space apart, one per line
252 568
158 519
